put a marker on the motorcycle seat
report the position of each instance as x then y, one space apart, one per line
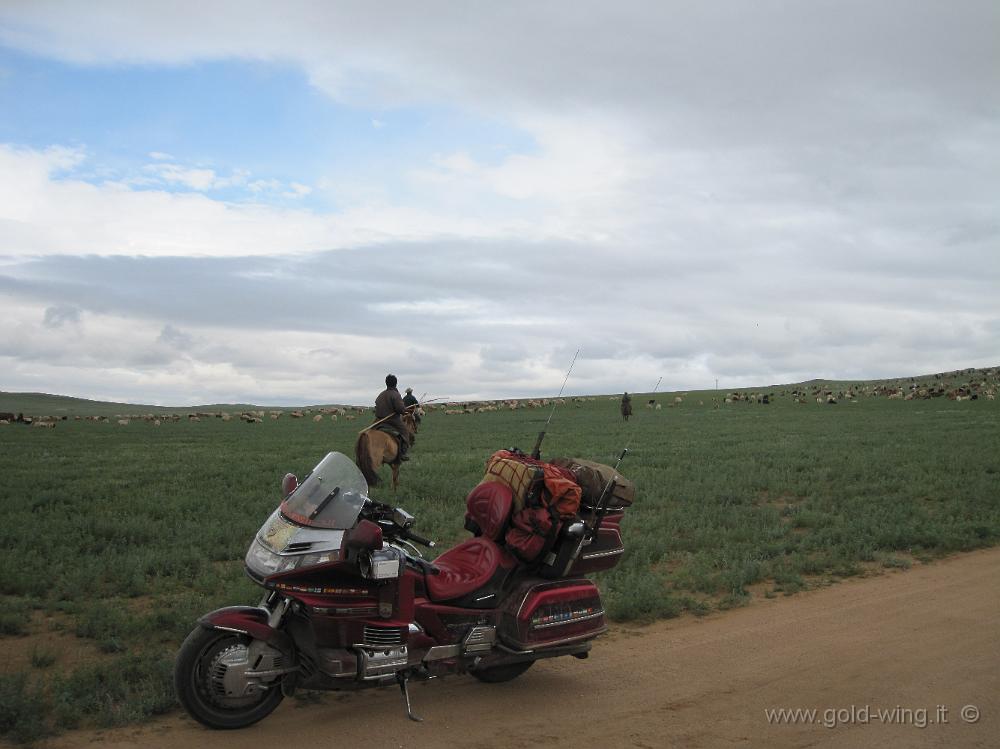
465 568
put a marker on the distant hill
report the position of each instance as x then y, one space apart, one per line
63 405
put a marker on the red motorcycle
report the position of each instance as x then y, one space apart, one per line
350 603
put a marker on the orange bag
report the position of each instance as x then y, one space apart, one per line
560 490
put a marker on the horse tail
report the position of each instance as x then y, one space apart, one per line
363 457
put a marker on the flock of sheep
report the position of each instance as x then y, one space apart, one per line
970 384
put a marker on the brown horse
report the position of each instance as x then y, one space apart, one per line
374 448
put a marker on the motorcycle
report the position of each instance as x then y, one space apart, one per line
350 603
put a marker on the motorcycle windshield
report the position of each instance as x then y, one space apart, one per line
330 497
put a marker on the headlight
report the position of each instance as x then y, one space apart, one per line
264 562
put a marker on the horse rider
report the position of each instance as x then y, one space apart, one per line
390 406
626 406
411 400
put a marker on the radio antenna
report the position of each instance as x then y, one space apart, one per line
537 451
632 431
602 503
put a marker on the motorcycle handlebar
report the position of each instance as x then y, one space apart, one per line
410 535
384 516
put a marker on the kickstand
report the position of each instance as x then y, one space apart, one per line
403 681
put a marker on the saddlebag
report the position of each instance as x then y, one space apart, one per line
540 613
604 550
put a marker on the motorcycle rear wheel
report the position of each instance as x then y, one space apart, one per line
201 681
499 674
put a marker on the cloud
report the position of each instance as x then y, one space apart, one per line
175 338
710 190
59 315
43 211
324 326
194 178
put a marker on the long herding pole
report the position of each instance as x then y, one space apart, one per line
537 452
386 418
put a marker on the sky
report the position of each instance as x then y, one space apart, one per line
279 203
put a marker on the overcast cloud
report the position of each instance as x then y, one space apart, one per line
750 192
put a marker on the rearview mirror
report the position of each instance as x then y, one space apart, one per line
402 518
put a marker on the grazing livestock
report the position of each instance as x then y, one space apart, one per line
123 422
45 424
375 448
318 417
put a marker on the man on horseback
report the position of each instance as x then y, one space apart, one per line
411 400
390 407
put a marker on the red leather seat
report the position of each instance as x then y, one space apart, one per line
464 568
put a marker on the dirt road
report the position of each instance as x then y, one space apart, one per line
905 643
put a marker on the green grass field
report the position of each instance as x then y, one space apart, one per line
116 538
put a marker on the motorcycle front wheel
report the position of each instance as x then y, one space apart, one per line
210 683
